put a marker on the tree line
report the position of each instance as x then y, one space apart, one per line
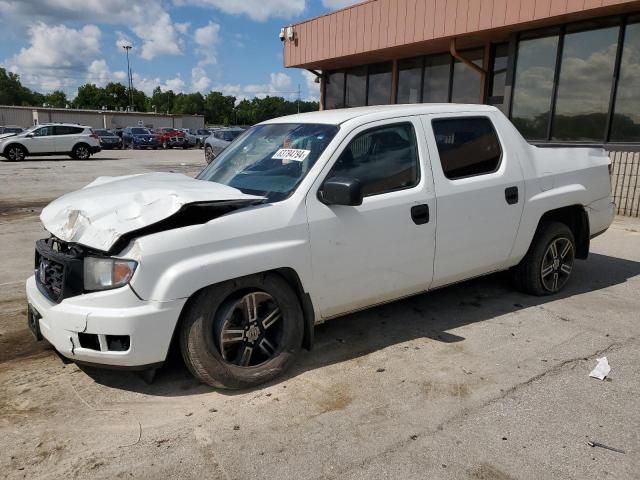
217 108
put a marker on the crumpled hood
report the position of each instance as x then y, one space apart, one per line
100 213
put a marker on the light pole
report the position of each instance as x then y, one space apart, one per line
127 48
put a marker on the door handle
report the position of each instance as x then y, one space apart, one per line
511 195
420 214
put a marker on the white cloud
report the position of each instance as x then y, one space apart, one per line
148 19
53 60
159 37
98 73
336 4
280 85
313 88
199 80
260 10
207 39
183 28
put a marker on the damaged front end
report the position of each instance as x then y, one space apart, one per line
61 268
90 227
108 212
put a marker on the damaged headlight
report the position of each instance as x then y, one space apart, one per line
105 273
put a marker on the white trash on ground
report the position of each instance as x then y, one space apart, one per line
602 369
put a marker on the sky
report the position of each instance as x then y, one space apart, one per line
183 45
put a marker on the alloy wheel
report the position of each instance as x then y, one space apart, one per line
251 331
82 153
15 154
557 264
208 153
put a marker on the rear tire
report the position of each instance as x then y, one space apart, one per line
243 332
547 267
81 152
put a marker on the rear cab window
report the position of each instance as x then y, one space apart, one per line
467 146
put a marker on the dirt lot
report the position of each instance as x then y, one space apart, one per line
473 381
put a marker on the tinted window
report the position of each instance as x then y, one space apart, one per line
499 75
379 84
103 133
409 80
467 146
584 86
334 90
139 131
436 79
64 130
203 132
356 87
626 119
383 159
466 81
533 86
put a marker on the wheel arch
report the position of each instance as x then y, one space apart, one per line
14 144
81 144
291 277
577 219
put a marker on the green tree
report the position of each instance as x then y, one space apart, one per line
12 92
189 103
219 108
57 99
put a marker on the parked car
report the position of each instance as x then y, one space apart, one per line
108 139
172 138
6 130
302 219
140 137
77 141
197 136
219 140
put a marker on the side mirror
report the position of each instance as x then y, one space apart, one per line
342 191
29 135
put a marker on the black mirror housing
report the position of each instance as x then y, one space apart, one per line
342 191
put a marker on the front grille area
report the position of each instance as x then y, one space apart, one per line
59 269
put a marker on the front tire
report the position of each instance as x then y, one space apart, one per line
208 154
547 267
15 153
243 332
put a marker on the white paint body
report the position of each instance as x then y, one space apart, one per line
45 140
347 258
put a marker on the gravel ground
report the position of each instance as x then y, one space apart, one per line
473 381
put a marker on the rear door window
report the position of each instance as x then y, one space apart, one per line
384 159
67 130
467 146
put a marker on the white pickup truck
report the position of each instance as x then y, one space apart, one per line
302 219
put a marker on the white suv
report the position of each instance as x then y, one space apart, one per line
77 141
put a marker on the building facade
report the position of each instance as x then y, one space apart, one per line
566 72
28 116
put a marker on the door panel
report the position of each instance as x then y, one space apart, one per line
42 141
375 252
479 203
66 137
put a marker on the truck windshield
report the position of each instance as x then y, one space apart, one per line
270 160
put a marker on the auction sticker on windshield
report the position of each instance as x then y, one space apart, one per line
290 154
